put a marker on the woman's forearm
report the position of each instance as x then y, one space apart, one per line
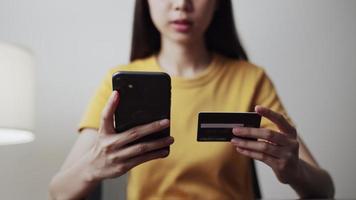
72 183
313 182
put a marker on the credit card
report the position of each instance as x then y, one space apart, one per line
217 126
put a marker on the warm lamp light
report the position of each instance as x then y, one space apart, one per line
16 94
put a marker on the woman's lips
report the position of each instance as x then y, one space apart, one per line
182 26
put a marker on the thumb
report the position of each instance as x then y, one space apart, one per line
107 115
277 118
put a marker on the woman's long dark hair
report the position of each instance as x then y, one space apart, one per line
221 36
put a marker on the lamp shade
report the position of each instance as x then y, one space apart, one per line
16 94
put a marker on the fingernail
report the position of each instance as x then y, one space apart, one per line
170 140
236 131
257 107
114 95
164 122
235 141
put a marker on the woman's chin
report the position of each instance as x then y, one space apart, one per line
180 38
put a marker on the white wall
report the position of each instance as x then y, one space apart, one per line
307 47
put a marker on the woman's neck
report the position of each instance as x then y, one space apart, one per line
184 60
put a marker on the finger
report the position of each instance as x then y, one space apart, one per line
140 149
261 133
146 157
269 160
277 119
138 132
107 115
259 146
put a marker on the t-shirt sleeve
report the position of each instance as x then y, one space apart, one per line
266 95
91 117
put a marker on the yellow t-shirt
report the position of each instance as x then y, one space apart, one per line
197 170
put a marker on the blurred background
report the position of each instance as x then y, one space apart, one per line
308 48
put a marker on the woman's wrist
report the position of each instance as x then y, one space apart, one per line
298 177
84 180
310 181
299 180
88 175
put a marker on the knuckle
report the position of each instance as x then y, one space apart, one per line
110 159
121 169
263 157
242 143
141 148
269 134
133 133
104 147
264 146
156 125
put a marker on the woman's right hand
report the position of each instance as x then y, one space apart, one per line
110 155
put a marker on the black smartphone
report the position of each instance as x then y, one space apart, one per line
145 97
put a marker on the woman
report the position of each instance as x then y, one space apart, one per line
196 43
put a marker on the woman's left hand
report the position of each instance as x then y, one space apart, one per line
279 150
